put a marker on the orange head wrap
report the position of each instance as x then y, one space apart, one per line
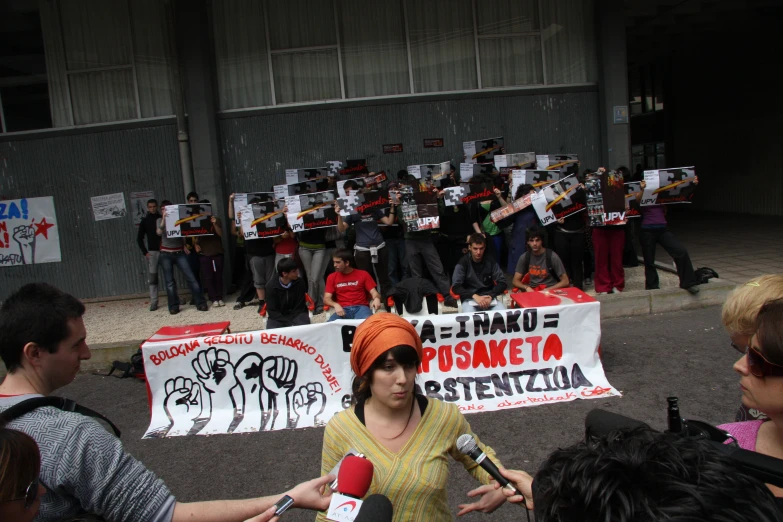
378 334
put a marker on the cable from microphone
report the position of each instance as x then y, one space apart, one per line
467 444
376 508
353 479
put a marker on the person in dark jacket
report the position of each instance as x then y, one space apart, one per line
151 251
478 279
286 304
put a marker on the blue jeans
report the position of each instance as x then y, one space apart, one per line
353 312
468 308
167 262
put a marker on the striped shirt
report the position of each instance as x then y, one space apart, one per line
415 478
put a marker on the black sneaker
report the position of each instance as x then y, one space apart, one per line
239 305
153 306
174 311
693 289
203 307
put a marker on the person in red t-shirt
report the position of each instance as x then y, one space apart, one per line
347 289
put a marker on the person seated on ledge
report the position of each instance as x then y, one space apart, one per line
543 264
286 304
640 474
478 279
347 288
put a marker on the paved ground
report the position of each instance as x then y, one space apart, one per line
649 358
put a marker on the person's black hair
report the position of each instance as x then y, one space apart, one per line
351 185
477 239
624 171
770 330
345 255
523 190
402 175
153 200
255 200
536 232
191 195
403 354
645 476
165 203
204 201
36 313
285 265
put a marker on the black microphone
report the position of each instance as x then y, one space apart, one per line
467 444
376 508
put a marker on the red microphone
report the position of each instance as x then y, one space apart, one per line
353 482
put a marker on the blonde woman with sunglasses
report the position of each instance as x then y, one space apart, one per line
761 380
20 463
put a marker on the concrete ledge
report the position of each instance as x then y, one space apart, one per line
643 302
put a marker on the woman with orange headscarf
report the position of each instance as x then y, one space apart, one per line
406 436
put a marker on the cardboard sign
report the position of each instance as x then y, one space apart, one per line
244 199
667 186
369 181
300 175
353 169
334 166
364 202
505 163
29 233
309 211
632 206
261 220
430 174
566 164
304 187
537 178
417 210
606 199
559 200
188 220
467 193
512 208
483 151
300 376
467 171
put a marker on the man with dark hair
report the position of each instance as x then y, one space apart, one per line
286 304
642 475
347 288
152 250
543 264
84 467
478 279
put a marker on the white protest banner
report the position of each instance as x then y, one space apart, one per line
243 200
309 211
566 164
559 200
482 151
537 178
110 206
188 220
540 202
280 191
262 220
505 163
29 233
300 376
139 205
667 186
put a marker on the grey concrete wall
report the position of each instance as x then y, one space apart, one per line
258 148
98 258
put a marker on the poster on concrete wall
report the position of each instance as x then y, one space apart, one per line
109 206
139 205
483 151
188 220
28 232
667 186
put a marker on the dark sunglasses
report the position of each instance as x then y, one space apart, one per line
30 494
757 364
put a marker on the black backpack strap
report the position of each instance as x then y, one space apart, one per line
549 265
526 264
61 403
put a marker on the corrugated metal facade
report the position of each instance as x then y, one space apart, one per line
98 258
257 149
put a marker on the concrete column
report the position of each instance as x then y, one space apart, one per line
197 75
613 83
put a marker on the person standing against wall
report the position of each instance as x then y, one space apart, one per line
151 251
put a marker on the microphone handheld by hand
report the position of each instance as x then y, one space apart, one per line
353 479
376 508
467 444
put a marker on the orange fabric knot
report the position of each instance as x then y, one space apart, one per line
378 334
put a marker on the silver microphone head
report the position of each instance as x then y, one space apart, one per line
466 443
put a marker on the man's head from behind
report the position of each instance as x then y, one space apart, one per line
42 334
343 260
477 245
645 476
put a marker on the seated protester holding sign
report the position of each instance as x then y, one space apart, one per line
85 469
286 304
543 264
347 288
478 279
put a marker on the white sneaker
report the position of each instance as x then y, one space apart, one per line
215 304
221 303
615 290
